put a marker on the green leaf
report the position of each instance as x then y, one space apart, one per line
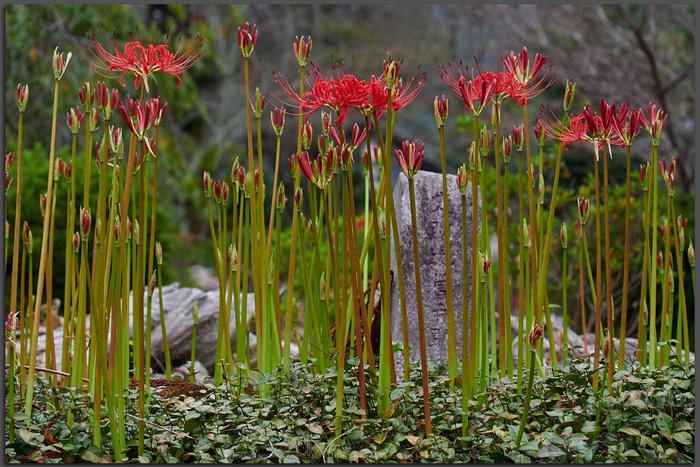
665 423
575 425
683 438
93 454
555 413
499 457
551 451
291 459
630 431
396 393
191 425
27 435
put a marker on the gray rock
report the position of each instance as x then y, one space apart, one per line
429 217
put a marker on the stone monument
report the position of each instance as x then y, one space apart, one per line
431 239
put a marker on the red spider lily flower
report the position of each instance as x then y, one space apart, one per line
530 86
144 61
277 117
22 97
535 335
247 38
401 96
601 127
410 157
59 64
626 132
462 179
75 120
357 137
656 121
319 172
440 111
86 96
569 130
477 89
144 119
302 50
107 101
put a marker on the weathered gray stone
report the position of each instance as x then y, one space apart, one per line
429 217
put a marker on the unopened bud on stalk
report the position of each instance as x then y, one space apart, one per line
84 223
484 266
7 229
259 104
93 118
22 97
310 227
271 277
298 199
326 121
507 148
277 117
76 242
233 257
281 198
59 64
564 236
11 325
247 38
224 193
152 285
7 182
217 191
129 229
540 134
116 231
659 260
645 312
485 140
381 218
323 286
195 314
540 190
531 174
42 204
302 50
526 238
440 111
518 137
9 160
462 179
234 173
98 227
159 254
691 254
306 136
535 334
207 184
391 72
75 120
583 210
607 348
366 162
86 96
472 156
26 235
57 168
642 174
569 95
137 230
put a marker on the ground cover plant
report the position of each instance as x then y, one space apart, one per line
347 398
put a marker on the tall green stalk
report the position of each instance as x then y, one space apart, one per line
652 291
626 260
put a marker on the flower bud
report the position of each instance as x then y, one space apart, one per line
59 64
659 260
518 137
540 134
645 312
207 184
569 95
607 348
247 38
298 199
642 174
22 97
564 235
440 111
535 334
277 117
259 104
462 179
472 156
583 210
195 314
381 219
137 230
507 148
495 115
129 229
691 254
7 229
224 193
84 223
11 325
366 162
159 254
302 50
281 198
76 242
485 141
271 277
152 284
306 136
7 182
86 96
526 239
27 238
93 119
9 160
540 190
233 257
323 286
42 204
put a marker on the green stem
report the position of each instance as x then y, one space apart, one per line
625 273
528 398
15 239
652 292
608 278
521 277
565 340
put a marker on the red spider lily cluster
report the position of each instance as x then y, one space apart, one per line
145 61
344 92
